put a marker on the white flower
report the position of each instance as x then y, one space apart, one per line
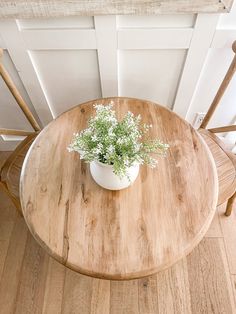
110 149
100 146
94 137
116 142
121 141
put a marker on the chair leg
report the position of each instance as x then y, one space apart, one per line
14 200
229 206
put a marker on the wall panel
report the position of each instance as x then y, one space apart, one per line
68 77
150 74
156 21
78 22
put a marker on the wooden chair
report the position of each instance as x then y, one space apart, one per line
11 169
224 159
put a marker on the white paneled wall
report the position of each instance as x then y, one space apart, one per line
215 67
218 59
160 21
82 22
175 60
68 77
151 74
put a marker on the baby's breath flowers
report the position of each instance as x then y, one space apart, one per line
117 143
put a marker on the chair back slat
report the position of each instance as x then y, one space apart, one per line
14 91
14 132
222 129
221 90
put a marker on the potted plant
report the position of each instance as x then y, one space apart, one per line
115 149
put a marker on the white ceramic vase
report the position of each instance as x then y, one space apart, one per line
104 176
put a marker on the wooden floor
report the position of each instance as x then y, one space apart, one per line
32 282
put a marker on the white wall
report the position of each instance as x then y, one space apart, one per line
175 60
217 62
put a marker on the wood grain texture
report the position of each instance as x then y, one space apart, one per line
11 169
173 289
53 8
230 204
77 293
147 295
12 267
119 234
54 288
183 288
124 297
225 160
233 279
5 233
225 164
221 129
31 288
215 230
208 295
3 157
100 302
14 132
228 230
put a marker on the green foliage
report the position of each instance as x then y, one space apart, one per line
118 143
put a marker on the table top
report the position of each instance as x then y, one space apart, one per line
122 234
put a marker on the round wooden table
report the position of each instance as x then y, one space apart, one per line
123 234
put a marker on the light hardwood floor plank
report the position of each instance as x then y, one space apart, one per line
147 295
215 230
7 220
209 282
77 294
124 297
233 279
100 302
12 267
8 211
5 233
54 288
228 225
173 290
32 279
